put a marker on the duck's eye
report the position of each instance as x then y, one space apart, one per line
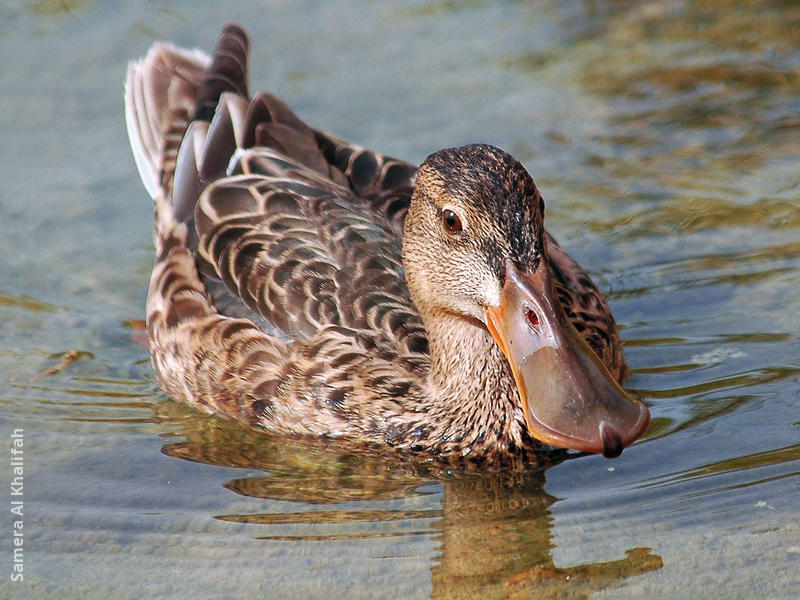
451 221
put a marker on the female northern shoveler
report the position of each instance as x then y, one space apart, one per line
307 286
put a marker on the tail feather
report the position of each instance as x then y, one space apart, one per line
160 94
171 96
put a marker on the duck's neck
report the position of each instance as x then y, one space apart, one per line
470 379
463 355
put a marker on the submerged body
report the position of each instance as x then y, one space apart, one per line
307 286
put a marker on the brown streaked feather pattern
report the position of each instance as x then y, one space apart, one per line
279 297
586 308
300 256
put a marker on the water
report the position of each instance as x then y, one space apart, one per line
666 139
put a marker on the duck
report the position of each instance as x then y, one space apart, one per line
308 287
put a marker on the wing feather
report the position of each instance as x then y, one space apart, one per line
302 252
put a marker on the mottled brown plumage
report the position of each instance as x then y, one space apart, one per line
305 286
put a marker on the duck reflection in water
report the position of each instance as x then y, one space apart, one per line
495 528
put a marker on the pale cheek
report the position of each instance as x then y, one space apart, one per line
481 290
491 292
484 288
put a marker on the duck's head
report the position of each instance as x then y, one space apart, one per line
474 248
